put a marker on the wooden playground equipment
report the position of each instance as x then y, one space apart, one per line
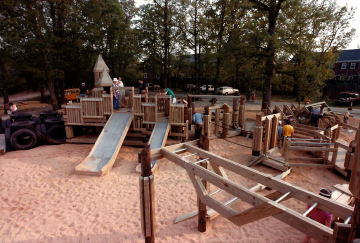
262 206
157 117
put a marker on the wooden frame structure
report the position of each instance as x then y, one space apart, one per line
262 206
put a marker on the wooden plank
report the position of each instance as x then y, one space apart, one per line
354 185
340 170
343 188
301 148
255 213
257 160
308 159
318 166
275 165
276 184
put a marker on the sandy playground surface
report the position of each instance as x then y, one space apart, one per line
41 200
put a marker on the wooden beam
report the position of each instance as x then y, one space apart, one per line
276 184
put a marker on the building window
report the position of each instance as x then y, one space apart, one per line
341 77
350 77
343 65
145 75
353 65
157 76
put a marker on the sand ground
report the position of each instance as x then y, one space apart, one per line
42 200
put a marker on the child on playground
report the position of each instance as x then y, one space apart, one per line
167 91
347 115
287 130
318 215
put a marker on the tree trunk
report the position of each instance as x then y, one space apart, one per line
5 85
166 44
51 87
220 36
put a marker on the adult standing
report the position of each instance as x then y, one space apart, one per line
115 94
314 116
198 122
166 91
143 87
121 92
83 90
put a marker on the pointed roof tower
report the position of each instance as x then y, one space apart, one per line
104 80
100 65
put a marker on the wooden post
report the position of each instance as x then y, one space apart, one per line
193 107
341 232
69 131
147 196
257 138
242 113
190 115
226 124
236 104
189 101
326 155
207 126
274 135
264 108
204 144
226 108
267 135
217 122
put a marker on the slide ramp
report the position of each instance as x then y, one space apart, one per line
107 146
157 140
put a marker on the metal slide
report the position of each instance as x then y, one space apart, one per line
107 146
157 140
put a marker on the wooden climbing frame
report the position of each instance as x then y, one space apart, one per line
262 206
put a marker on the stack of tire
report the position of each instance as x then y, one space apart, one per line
24 131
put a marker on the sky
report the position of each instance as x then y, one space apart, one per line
355 24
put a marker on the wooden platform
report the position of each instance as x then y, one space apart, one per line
340 159
103 154
2 144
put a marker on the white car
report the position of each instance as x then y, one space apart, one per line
226 90
210 88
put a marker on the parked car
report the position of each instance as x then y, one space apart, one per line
347 98
210 88
189 87
226 90
153 86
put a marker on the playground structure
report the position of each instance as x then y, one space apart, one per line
262 206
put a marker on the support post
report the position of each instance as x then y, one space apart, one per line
242 113
258 133
190 118
147 196
226 124
204 144
226 108
207 126
217 123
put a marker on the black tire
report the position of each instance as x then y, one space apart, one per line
8 138
236 94
18 116
22 120
49 118
8 123
54 121
23 139
56 134
38 130
226 94
43 129
21 125
35 119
